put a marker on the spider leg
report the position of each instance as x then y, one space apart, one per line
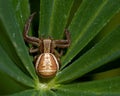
54 51
35 59
64 43
57 55
32 50
32 40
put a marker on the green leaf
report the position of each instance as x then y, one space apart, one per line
87 23
22 11
10 85
27 93
11 35
53 17
35 93
107 87
105 51
8 67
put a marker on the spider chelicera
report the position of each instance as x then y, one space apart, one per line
48 59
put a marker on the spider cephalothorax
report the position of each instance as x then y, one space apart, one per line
47 62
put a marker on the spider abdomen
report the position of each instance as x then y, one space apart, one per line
47 65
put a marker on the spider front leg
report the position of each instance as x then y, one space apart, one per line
32 40
64 43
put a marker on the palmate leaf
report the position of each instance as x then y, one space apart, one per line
11 37
22 11
8 67
53 17
14 58
86 22
90 18
27 93
35 93
106 50
108 87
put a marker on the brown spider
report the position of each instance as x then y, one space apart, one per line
46 62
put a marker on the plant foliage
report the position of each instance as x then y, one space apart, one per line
94 51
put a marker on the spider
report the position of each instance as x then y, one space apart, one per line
48 58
